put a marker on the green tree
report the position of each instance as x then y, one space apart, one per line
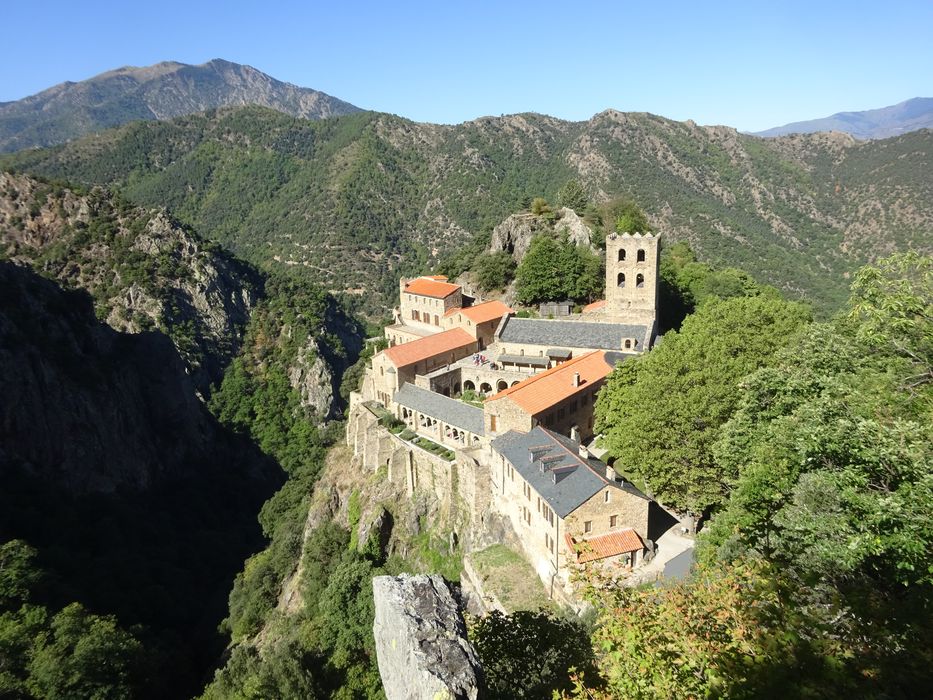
530 654
540 206
85 656
662 413
573 195
892 305
494 270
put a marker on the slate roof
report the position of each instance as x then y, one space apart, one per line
409 353
524 360
567 480
445 409
574 334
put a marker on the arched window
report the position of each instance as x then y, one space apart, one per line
628 344
640 281
469 386
621 254
641 256
502 385
621 279
485 388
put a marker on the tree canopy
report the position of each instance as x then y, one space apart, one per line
661 413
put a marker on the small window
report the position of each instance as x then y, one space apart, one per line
640 281
628 344
621 254
588 526
620 280
492 424
641 256
606 496
613 520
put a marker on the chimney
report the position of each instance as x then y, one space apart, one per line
584 452
611 474
575 434
576 379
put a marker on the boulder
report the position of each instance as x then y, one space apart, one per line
421 640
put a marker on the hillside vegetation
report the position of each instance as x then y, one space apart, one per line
356 201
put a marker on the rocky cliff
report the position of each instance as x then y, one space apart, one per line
143 270
91 409
69 110
514 234
421 641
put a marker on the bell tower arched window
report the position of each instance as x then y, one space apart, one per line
640 281
621 279
641 256
621 254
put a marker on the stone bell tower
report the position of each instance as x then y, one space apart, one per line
632 268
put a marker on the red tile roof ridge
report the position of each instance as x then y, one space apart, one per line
405 354
608 545
524 384
427 287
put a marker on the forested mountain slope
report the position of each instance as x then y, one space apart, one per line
355 201
169 89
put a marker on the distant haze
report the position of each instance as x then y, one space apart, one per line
909 115
70 110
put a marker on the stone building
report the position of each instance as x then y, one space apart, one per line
560 399
519 456
559 499
632 268
399 364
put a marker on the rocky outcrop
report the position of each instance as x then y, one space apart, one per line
313 378
90 409
421 641
514 234
143 269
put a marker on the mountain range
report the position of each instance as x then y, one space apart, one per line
357 200
70 110
882 123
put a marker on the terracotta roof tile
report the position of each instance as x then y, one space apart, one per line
424 348
431 288
541 391
595 306
488 310
604 546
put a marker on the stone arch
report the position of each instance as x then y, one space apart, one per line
620 279
469 386
621 254
641 255
517 381
484 388
628 344
501 385
640 281
456 387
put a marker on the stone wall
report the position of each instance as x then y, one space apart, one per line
461 485
632 301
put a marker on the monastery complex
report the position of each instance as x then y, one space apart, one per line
508 403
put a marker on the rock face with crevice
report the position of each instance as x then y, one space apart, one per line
421 641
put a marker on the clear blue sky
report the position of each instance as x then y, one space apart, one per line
751 65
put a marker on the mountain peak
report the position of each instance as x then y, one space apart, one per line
160 91
909 115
